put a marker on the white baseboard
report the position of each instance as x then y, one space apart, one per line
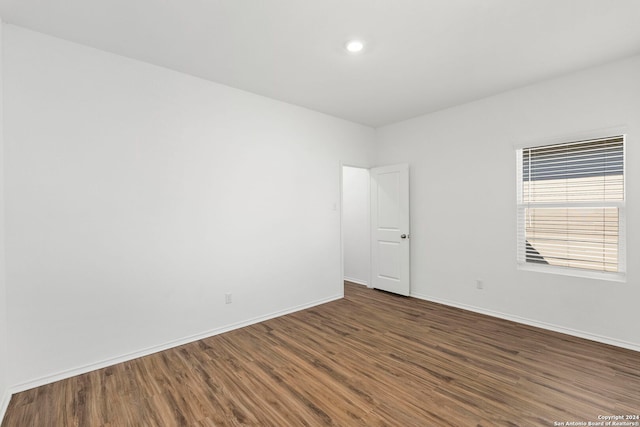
4 404
357 281
161 347
535 323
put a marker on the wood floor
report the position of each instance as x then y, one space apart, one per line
371 359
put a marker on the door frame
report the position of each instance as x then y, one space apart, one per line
368 168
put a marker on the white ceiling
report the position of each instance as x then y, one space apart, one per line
421 55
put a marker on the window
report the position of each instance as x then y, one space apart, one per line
571 207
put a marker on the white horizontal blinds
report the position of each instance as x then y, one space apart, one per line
585 171
572 194
573 237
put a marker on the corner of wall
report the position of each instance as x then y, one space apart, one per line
5 395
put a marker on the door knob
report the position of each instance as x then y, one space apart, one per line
403 236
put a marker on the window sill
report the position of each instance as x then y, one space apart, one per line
574 272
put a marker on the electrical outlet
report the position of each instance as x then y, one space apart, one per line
479 284
227 298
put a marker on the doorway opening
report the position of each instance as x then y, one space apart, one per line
375 224
356 227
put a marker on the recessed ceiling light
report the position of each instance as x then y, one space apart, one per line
354 46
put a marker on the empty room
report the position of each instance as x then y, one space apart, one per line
310 213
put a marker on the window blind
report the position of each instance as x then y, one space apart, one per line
571 201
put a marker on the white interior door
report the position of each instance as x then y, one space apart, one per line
390 228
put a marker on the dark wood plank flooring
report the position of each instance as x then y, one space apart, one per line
370 359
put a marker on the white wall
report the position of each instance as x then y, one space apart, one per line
137 196
355 224
4 362
463 201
